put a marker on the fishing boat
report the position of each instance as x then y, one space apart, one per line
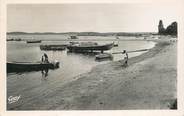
53 47
89 47
103 56
34 41
30 66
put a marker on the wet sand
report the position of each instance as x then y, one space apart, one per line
149 82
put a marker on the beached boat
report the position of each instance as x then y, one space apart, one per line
34 41
89 47
103 56
53 47
30 66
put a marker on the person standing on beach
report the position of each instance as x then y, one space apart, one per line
45 58
125 58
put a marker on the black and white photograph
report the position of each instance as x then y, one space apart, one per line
99 56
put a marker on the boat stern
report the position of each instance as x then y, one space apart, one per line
55 64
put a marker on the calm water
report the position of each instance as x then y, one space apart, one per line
30 84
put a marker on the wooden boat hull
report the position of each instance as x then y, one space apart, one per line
74 48
115 45
103 56
17 39
27 66
73 37
36 41
53 47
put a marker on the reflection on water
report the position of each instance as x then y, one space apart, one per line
29 84
45 74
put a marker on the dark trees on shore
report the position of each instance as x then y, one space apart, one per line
170 30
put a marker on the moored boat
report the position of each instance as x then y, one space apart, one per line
34 41
14 39
30 66
89 47
115 44
53 47
73 37
72 43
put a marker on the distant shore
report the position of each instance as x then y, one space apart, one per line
85 33
148 37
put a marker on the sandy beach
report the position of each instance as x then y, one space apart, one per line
149 82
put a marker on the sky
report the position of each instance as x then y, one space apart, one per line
137 17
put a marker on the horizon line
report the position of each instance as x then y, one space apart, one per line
81 32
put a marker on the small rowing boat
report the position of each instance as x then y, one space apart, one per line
73 37
103 56
53 47
116 45
30 66
14 39
34 41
